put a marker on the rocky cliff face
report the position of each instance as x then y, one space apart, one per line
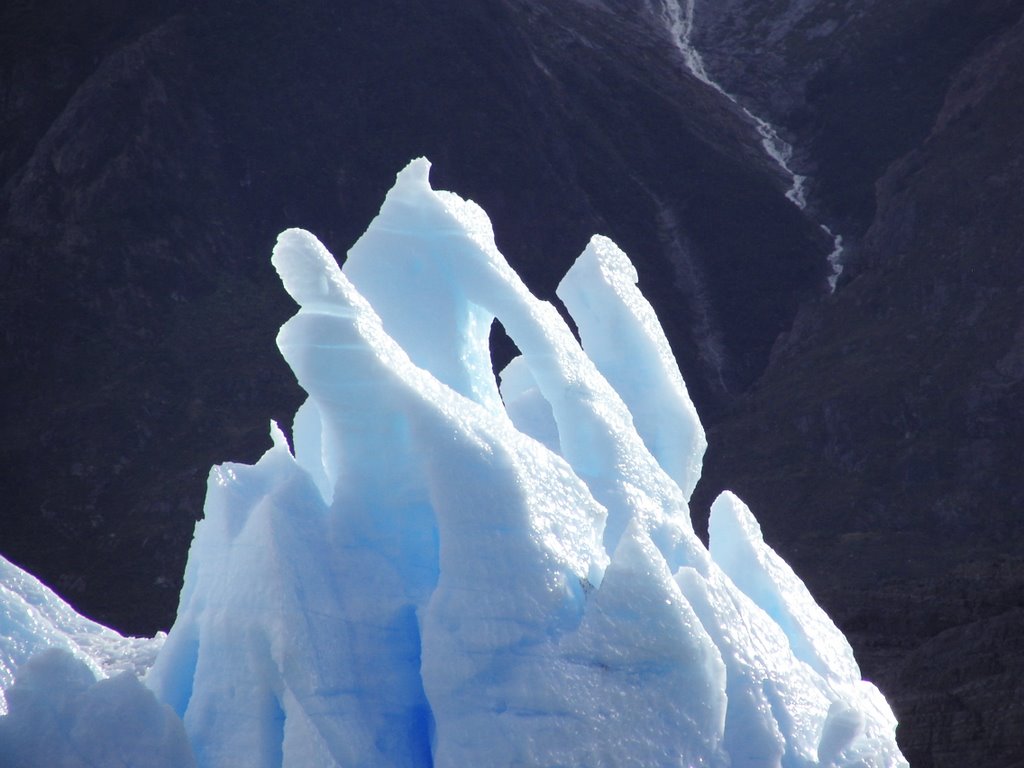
882 445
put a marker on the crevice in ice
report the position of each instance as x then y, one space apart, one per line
179 662
503 350
275 735
307 439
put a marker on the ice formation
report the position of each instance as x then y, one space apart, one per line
439 571
77 700
33 618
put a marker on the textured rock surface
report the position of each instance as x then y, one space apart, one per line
853 84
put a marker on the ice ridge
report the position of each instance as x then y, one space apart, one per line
438 571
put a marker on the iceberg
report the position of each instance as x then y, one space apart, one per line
441 567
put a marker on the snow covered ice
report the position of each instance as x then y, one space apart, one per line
435 570
77 700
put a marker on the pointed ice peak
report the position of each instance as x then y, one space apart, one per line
738 547
439 249
415 207
621 334
415 174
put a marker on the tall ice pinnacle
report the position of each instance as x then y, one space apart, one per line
435 571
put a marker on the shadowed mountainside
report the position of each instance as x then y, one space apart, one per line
882 447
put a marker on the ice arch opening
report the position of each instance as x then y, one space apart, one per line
435 244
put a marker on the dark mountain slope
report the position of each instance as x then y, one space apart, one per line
854 84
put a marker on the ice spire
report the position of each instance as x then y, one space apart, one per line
424 583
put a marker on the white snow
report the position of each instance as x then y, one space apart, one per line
33 618
445 574
677 18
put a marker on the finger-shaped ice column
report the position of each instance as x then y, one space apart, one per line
622 335
435 242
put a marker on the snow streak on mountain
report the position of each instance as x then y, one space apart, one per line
678 19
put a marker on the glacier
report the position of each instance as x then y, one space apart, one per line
441 567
